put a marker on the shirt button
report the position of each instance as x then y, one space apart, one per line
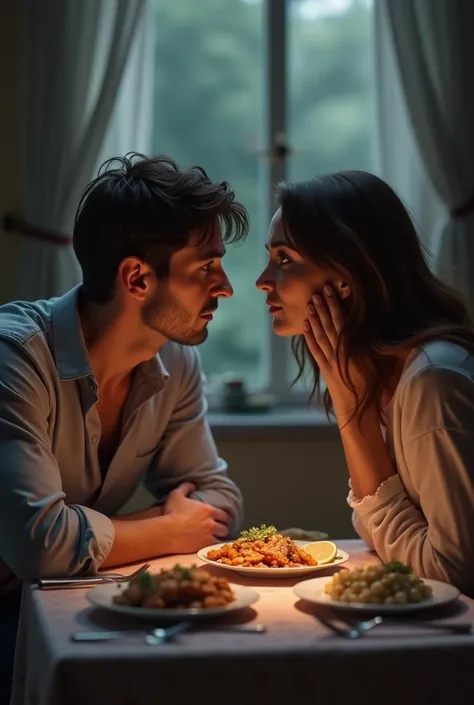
95 439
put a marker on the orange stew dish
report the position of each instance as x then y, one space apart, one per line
274 551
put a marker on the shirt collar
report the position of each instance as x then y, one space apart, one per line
154 374
70 350
72 360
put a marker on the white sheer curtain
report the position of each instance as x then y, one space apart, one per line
398 158
74 55
435 56
130 128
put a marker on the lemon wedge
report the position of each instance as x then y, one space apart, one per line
323 551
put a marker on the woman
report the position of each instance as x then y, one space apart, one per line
395 348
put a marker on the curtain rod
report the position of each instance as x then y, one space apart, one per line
14 222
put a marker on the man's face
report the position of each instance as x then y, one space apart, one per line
183 303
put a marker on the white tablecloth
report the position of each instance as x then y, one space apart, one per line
296 659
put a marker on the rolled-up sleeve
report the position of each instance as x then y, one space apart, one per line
188 452
40 535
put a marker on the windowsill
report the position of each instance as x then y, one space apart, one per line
284 424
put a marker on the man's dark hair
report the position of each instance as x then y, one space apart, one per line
147 208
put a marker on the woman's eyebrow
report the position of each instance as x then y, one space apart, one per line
279 243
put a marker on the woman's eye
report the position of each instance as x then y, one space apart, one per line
283 259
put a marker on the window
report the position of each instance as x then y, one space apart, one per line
257 91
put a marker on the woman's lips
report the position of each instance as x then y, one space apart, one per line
275 309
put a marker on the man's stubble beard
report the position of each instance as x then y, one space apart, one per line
166 316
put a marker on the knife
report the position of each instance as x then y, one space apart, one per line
58 583
156 635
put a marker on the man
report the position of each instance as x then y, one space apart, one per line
88 406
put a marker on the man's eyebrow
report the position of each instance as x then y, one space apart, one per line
279 243
210 254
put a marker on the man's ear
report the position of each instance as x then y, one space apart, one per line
135 276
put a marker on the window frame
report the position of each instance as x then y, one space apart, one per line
277 352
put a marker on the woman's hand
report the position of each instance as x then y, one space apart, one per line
321 333
366 454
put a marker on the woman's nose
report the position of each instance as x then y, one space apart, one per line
263 283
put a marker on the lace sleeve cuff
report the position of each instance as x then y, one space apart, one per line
385 492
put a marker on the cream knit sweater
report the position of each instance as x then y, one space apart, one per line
424 515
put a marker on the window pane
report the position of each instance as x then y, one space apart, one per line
330 86
330 89
208 110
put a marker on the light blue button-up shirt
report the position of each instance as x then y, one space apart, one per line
54 503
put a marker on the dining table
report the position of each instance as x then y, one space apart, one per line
296 659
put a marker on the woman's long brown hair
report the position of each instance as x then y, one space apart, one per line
355 224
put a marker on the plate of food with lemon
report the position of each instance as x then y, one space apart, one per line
263 551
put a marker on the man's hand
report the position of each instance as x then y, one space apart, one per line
150 513
195 524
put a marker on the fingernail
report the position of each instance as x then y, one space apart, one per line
306 326
328 291
311 310
317 299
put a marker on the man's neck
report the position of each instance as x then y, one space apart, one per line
116 344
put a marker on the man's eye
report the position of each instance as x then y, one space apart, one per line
207 267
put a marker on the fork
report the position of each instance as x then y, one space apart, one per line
358 629
121 578
352 631
55 583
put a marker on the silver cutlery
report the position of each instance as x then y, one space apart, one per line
101 579
160 635
353 631
358 629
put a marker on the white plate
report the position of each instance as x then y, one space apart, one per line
102 597
341 557
313 591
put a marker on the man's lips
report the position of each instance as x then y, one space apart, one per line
208 314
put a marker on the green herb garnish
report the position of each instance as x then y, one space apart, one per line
184 572
258 533
399 567
145 580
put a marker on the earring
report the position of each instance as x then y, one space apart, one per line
344 290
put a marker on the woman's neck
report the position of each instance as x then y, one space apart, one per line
389 390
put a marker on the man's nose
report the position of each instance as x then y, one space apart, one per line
224 289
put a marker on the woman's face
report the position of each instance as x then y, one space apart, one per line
290 280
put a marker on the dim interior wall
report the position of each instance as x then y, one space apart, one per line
301 483
9 141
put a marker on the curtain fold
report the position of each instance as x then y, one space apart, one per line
434 51
74 56
398 158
